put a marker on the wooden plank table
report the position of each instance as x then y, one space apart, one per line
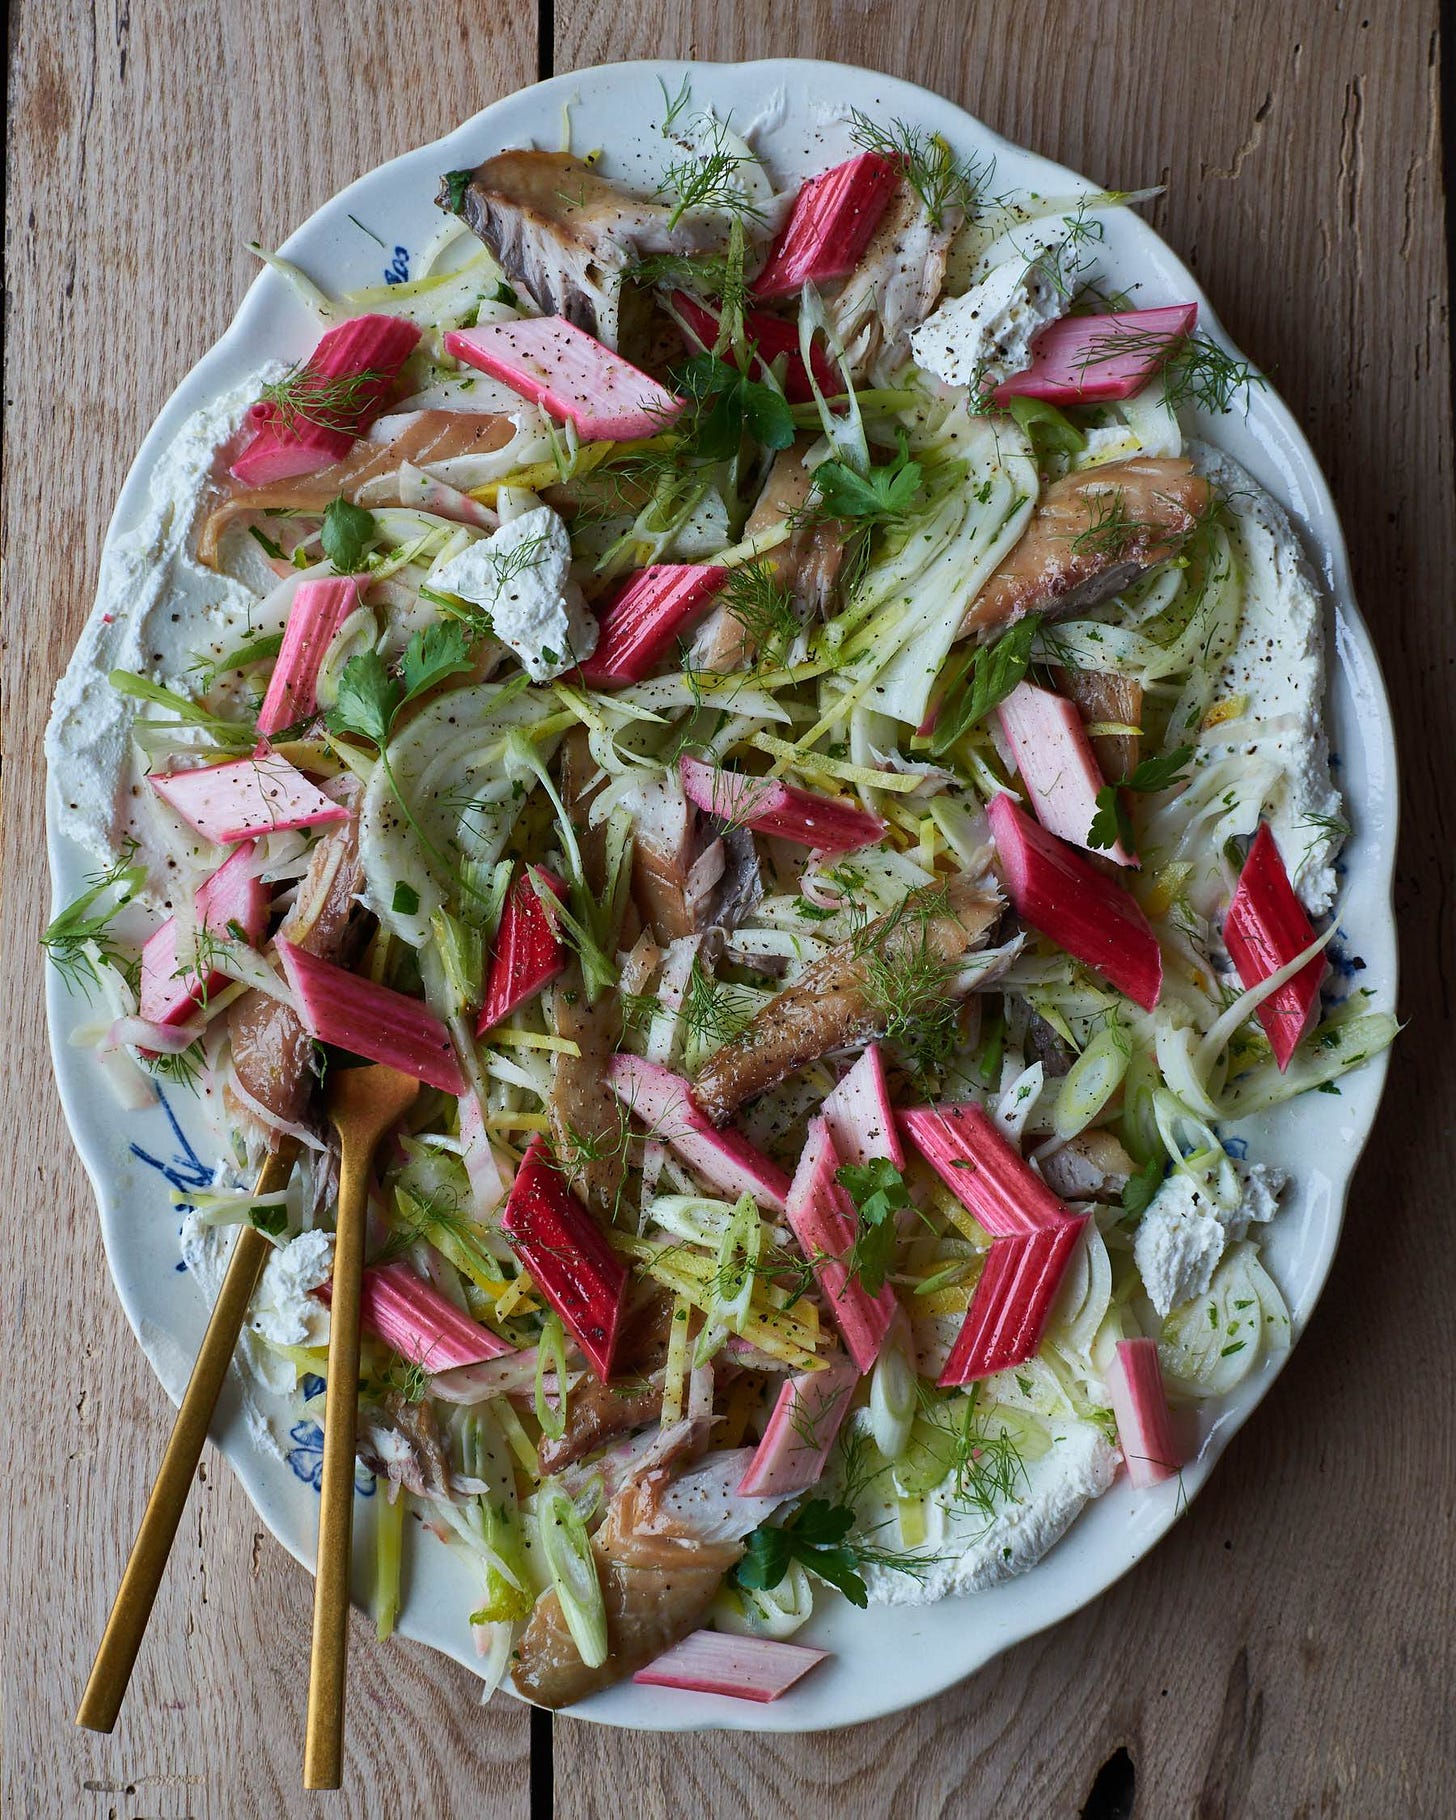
1288 1650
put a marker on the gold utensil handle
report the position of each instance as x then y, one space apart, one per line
115 1659
323 1753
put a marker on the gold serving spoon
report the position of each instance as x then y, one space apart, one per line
363 1104
115 1659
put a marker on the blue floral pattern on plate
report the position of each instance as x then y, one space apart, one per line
306 1457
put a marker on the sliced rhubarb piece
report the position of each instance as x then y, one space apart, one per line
664 1102
770 337
233 900
743 1668
1057 765
1065 897
805 1421
319 607
770 806
1013 1301
331 400
640 624
823 1220
860 1117
1090 359
528 952
1265 929
568 1256
829 225
570 374
246 797
1145 1429
369 1020
983 1172
412 1316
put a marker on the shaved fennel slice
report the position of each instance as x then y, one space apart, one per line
449 769
976 536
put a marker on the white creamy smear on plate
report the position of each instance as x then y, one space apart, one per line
1272 686
158 610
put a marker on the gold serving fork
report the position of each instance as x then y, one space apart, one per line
363 1104
115 1659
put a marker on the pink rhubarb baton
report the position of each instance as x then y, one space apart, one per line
570 374
318 609
830 225
823 1220
568 1256
246 797
1014 1297
664 1102
328 403
743 1668
1057 764
369 1020
1266 928
1145 1430
771 337
412 1316
1065 897
805 1420
234 899
640 624
983 1172
528 953
769 806
859 1115
1091 359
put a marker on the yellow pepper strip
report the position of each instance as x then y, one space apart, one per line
675 1367
533 1039
517 1294
819 764
517 1121
741 1399
954 1300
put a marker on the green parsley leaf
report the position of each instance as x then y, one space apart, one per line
432 654
272 1220
730 404
1139 1189
367 700
878 1191
821 1524
453 186
1113 822
984 677
887 492
406 900
765 1560
348 531
504 293
837 1566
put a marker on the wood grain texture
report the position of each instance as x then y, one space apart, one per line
1288 1650
147 143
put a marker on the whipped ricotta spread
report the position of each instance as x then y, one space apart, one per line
157 612
521 576
967 1552
1184 1231
1270 694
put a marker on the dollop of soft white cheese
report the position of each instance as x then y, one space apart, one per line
157 612
968 1552
1184 1231
1022 283
284 1311
521 576
1268 706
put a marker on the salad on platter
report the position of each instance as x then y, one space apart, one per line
745 686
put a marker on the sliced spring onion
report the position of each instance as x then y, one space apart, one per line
1091 1082
551 1356
892 1399
573 1570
